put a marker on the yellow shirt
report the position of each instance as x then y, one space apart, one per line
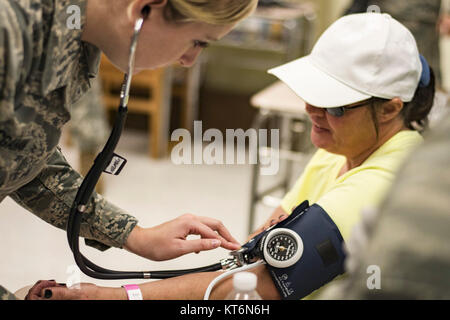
344 197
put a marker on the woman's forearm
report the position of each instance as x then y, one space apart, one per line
187 287
193 287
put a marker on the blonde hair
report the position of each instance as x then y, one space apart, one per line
217 12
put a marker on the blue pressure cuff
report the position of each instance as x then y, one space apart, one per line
323 254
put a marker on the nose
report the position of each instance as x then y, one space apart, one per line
189 57
314 111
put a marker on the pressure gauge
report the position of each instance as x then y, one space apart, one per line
282 248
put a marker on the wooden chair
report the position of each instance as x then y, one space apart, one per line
186 87
150 94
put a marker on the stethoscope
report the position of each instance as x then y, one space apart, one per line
107 161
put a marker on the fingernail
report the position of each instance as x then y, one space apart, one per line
215 243
282 216
48 294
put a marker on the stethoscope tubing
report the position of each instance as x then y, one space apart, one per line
86 189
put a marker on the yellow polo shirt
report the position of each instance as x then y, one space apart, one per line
344 197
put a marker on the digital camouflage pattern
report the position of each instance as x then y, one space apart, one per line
408 240
6 295
88 125
44 70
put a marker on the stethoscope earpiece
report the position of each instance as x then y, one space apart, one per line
145 12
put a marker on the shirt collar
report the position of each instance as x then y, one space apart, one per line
68 60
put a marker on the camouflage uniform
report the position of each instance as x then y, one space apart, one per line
89 129
44 69
409 240
88 125
420 17
6 295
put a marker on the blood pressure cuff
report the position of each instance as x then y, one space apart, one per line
323 255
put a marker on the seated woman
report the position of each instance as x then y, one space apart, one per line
367 92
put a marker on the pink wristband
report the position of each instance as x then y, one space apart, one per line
133 292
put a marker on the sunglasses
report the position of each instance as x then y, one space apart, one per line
340 111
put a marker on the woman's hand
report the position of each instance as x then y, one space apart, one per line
50 290
168 240
277 216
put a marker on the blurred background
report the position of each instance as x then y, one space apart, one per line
228 88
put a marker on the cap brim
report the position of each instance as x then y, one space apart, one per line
315 86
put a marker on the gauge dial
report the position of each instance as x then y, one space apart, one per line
282 248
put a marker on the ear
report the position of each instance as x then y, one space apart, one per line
390 109
143 8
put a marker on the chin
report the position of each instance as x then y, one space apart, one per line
122 66
319 142
140 69
152 65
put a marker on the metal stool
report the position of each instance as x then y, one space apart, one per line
279 101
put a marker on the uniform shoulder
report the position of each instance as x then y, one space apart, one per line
21 40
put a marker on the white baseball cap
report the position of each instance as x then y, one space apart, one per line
358 57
